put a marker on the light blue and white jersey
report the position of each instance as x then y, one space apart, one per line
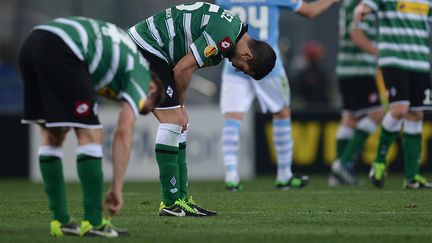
262 17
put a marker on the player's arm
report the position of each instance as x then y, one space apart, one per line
360 39
313 9
121 147
183 71
361 11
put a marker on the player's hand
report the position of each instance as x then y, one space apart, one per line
360 12
113 201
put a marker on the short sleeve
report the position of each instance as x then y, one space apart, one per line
292 5
137 84
373 4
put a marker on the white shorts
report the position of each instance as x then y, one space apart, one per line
238 93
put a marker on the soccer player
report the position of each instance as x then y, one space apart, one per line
362 110
238 90
64 64
177 41
404 59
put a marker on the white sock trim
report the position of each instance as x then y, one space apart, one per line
168 134
46 150
391 124
183 137
413 127
344 132
91 149
367 125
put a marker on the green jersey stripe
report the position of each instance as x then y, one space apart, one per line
209 39
79 28
403 16
144 45
405 40
65 37
110 73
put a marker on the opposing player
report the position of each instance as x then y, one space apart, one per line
238 90
177 41
362 109
404 56
64 64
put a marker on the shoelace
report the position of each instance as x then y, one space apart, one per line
182 203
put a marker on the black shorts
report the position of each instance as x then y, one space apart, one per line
407 87
58 89
165 73
359 95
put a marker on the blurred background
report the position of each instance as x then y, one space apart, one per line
309 50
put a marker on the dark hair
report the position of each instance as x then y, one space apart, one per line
263 60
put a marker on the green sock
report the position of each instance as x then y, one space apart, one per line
183 171
167 158
52 174
341 144
385 140
411 144
91 177
355 145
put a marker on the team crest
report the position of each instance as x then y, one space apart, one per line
169 91
225 44
82 108
210 51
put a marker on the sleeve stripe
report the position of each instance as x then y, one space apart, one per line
196 55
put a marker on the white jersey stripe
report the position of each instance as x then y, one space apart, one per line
144 45
65 37
402 16
403 47
205 20
209 39
139 89
171 32
97 56
404 32
357 57
355 71
79 28
187 21
154 31
196 55
383 61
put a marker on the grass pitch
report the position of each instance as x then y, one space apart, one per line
259 213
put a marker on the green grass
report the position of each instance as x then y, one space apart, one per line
257 214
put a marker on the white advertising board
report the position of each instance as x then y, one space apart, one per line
203 147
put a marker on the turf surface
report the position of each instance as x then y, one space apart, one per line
259 213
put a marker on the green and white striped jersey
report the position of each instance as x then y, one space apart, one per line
351 60
403 33
117 68
207 30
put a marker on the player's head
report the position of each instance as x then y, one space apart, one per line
253 57
155 95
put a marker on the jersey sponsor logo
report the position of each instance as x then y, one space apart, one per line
210 51
413 8
225 44
82 108
107 92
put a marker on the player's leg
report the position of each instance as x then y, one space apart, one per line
237 95
397 82
39 96
282 139
172 166
367 112
412 130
